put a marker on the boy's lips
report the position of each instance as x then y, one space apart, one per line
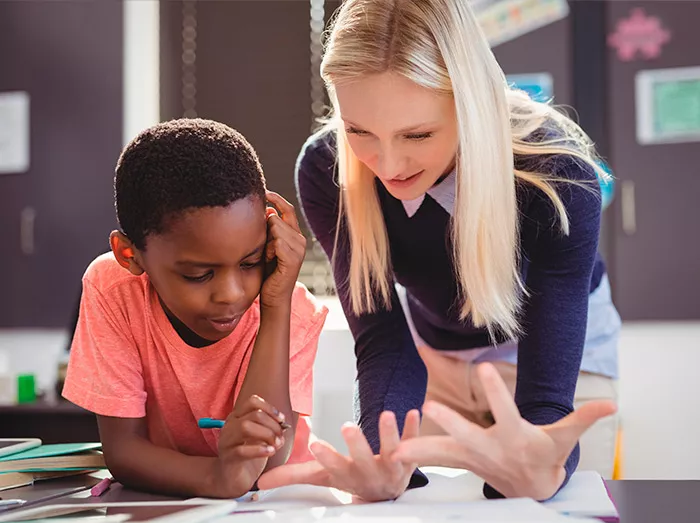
226 324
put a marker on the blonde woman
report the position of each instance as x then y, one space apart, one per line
462 221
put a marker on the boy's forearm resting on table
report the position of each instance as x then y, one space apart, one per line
268 373
137 463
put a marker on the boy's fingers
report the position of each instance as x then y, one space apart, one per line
252 431
278 228
254 403
264 419
254 451
286 209
270 252
287 248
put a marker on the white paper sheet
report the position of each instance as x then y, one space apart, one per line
451 495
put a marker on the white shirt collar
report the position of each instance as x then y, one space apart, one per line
443 193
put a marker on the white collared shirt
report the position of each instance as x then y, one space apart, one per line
443 193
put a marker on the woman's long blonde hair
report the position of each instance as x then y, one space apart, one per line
438 44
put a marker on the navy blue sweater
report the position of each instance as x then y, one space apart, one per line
559 272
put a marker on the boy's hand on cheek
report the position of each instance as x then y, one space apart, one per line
251 435
286 247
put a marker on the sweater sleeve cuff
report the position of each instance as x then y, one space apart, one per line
418 479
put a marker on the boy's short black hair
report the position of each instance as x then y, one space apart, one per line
179 165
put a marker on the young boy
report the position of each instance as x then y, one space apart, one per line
196 313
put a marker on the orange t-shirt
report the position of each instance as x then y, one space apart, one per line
127 361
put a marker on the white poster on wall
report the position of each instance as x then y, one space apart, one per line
668 105
504 20
14 132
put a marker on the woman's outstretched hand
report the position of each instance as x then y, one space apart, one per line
515 457
365 475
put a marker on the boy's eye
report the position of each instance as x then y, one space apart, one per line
199 279
251 264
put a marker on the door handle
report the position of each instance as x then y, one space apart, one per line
629 210
26 230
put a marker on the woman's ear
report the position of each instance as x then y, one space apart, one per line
124 252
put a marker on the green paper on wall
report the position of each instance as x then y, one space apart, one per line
677 107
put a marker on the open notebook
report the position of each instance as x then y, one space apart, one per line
451 495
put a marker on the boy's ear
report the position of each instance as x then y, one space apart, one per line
125 252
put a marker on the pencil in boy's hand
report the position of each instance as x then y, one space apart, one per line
209 423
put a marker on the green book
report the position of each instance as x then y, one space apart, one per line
62 456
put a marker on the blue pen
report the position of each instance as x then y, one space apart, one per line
210 423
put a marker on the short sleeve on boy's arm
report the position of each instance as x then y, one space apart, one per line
308 317
104 371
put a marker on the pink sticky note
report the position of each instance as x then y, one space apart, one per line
640 33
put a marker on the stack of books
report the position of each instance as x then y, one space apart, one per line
48 462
